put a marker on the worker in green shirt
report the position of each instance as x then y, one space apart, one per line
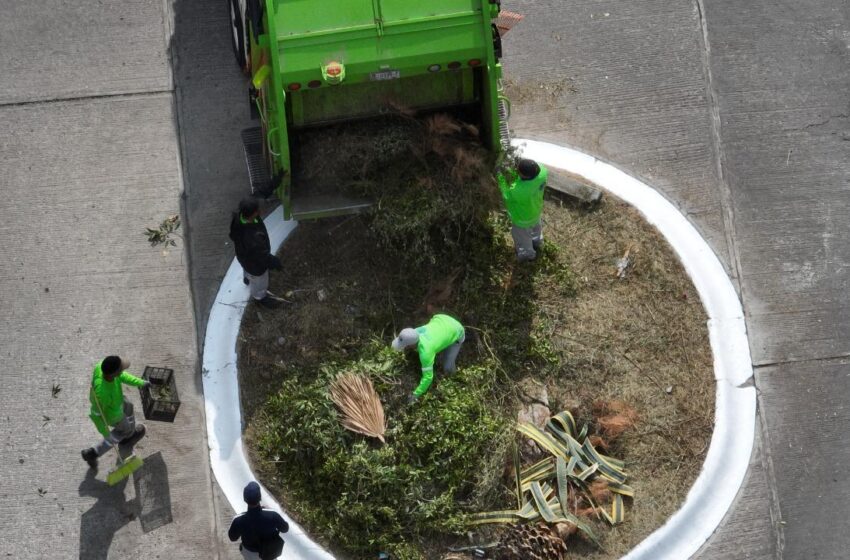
111 414
523 191
442 335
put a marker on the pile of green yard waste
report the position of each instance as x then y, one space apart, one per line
437 240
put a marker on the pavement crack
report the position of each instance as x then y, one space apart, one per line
71 99
826 121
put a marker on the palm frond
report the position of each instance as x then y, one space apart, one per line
360 407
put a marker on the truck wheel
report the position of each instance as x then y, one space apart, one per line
237 34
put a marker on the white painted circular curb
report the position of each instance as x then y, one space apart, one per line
728 455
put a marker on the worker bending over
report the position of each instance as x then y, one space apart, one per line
523 191
442 335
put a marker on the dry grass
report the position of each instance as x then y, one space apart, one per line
622 345
619 344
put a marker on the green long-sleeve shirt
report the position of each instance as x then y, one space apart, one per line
523 198
110 396
441 332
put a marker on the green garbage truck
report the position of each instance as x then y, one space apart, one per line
317 63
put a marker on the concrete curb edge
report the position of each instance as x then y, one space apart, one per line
731 445
728 456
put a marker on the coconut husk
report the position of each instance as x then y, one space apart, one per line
531 542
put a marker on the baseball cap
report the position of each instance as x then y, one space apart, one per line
528 168
407 337
251 493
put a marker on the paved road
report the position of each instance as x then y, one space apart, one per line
736 109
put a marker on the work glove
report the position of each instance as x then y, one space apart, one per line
412 399
274 263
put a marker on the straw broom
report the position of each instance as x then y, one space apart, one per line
360 407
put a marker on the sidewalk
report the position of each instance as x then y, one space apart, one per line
89 158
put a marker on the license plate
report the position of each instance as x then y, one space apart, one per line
385 75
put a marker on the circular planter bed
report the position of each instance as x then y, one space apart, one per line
604 324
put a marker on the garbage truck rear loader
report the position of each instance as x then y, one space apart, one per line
315 63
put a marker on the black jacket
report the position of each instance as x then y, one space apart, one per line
258 528
253 250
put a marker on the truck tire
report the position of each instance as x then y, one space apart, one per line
237 35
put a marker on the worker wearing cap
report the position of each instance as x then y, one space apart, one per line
112 415
443 334
523 191
253 251
258 528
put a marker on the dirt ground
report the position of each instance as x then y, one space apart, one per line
641 339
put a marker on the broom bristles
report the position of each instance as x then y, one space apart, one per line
360 407
127 467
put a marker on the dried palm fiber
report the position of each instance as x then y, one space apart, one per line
565 530
359 405
600 491
604 408
614 417
599 443
531 542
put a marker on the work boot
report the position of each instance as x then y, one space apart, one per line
269 302
90 457
134 439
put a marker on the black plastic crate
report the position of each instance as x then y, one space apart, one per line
160 400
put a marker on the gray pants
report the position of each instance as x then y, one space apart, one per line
248 555
449 355
122 430
527 241
259 285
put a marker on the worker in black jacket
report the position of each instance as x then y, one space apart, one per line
253 251
258 528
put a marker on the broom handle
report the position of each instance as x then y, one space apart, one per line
102 415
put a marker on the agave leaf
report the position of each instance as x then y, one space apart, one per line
540 501
488 517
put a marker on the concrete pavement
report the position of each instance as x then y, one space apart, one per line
737 110
89 158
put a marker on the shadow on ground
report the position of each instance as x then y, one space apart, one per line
112 511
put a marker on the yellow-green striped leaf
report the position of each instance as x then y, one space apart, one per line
623 489
544 440
588 471
542 505
563 490
566 422
517 477
494 517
